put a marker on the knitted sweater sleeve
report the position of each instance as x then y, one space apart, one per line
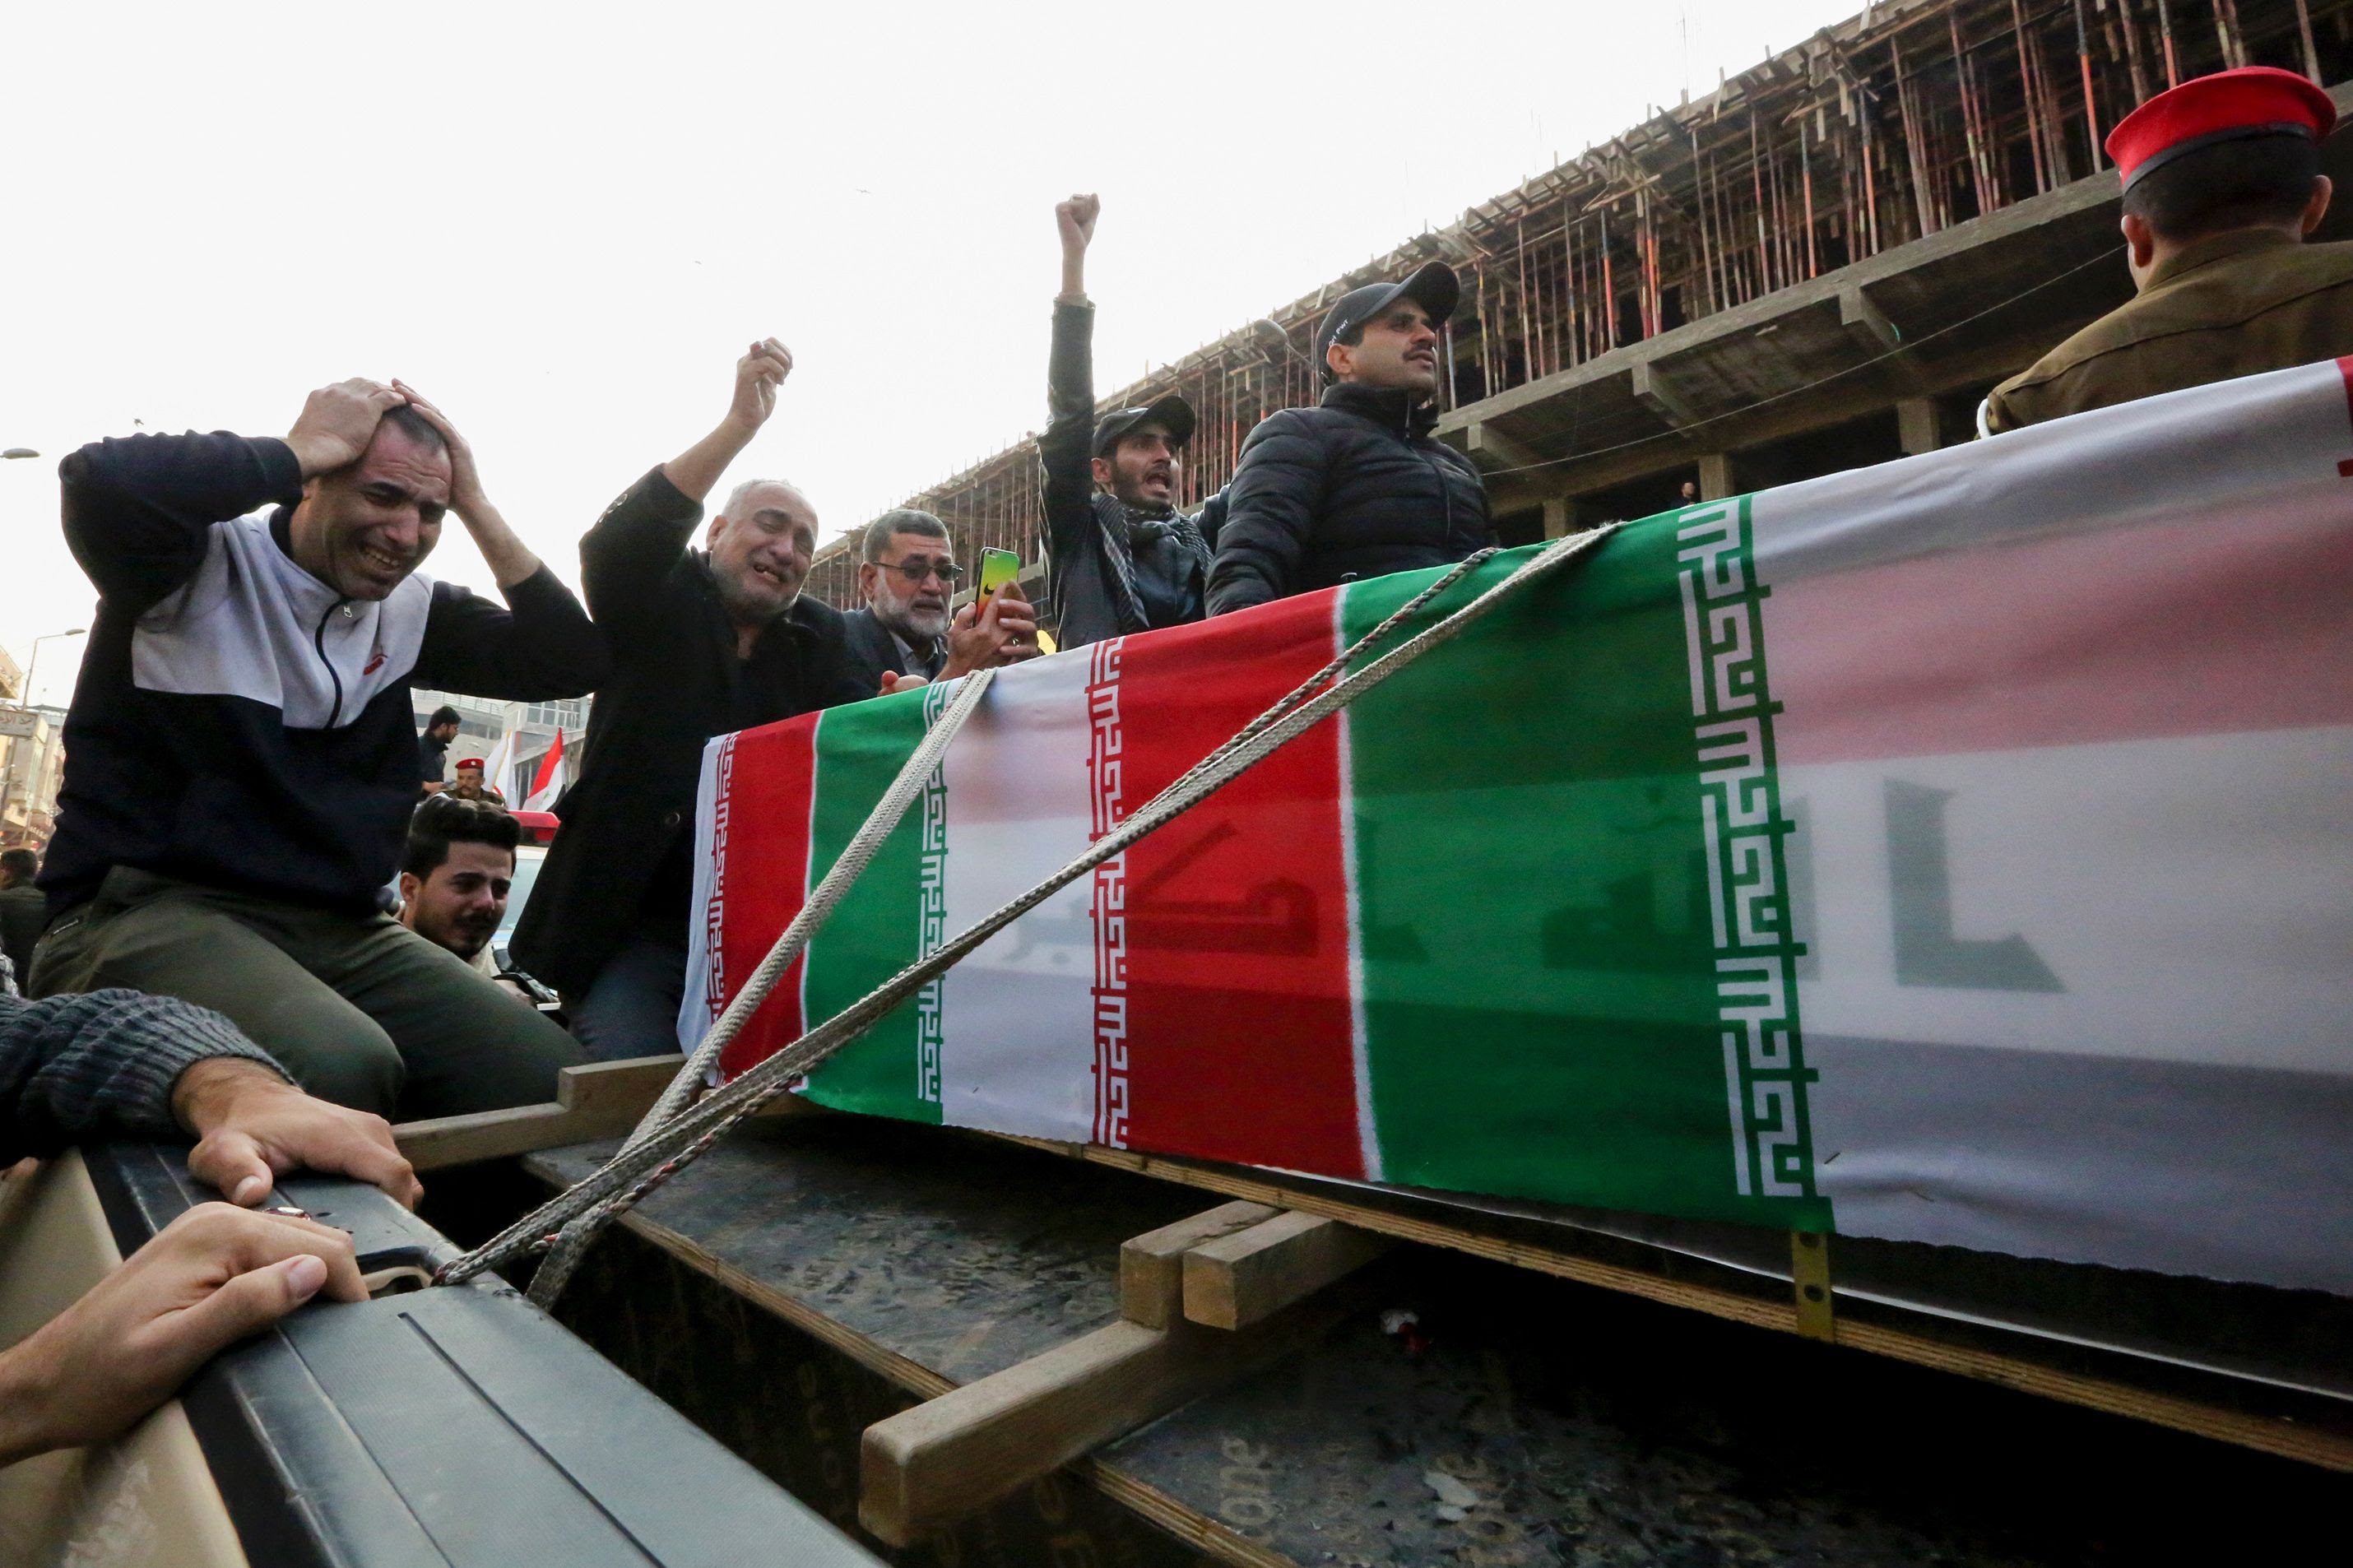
102 1061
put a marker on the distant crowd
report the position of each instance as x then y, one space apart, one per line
209 933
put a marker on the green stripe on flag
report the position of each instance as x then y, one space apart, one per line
1542 993
875 931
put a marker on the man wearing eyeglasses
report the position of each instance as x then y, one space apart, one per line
906 633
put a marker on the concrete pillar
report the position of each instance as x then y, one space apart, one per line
1916 426
1716 480
1559 516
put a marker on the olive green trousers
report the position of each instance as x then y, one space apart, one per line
360 1009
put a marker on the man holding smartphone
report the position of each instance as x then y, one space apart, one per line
906 634
1123 559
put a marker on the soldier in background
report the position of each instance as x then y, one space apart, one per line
2222 185
470 785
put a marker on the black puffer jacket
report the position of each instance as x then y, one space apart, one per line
1354 488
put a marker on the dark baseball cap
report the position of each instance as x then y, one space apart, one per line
1433 287
1171 411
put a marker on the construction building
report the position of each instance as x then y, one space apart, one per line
1823 264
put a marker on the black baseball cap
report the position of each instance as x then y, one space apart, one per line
1171 411
1433 287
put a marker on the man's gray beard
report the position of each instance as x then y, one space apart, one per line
916 630
744 611
902 620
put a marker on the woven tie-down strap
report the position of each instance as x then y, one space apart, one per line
659 1150
564 1254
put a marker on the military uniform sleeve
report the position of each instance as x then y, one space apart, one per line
1998 413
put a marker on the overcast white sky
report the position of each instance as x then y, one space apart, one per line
563 224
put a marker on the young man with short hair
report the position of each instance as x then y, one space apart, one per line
433 748
457 873
2222 189
240 762
1123 559
905 630
1356 487
455 883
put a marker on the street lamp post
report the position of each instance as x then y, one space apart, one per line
35 663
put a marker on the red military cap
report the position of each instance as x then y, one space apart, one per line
469 762
2252 100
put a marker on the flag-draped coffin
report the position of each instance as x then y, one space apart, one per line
1952 850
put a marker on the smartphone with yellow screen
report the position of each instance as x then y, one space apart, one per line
997 567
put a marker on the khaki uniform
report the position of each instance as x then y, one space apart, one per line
2229 305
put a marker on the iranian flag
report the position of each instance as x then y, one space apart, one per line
1953 850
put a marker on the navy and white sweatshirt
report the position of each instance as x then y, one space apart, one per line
239 723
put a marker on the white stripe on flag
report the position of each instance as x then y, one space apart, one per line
1019 1048
2182 899
1368 1136
695 1003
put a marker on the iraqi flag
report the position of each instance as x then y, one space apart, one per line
1953 850
547 785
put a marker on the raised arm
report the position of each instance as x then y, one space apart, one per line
138 509
638 539
758 375
1270 510
1066 451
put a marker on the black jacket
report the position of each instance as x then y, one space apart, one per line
23 912
241 724
628 822
432 758
1112 572
872 650
1354 488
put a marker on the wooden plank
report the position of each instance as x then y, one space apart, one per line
1216 1541
597 1099
1325 1456
2264 1433
1248 1277
1152 1265
925 1468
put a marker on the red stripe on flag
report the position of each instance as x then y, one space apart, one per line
2344 372
760 877
1239 1024
2199 627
